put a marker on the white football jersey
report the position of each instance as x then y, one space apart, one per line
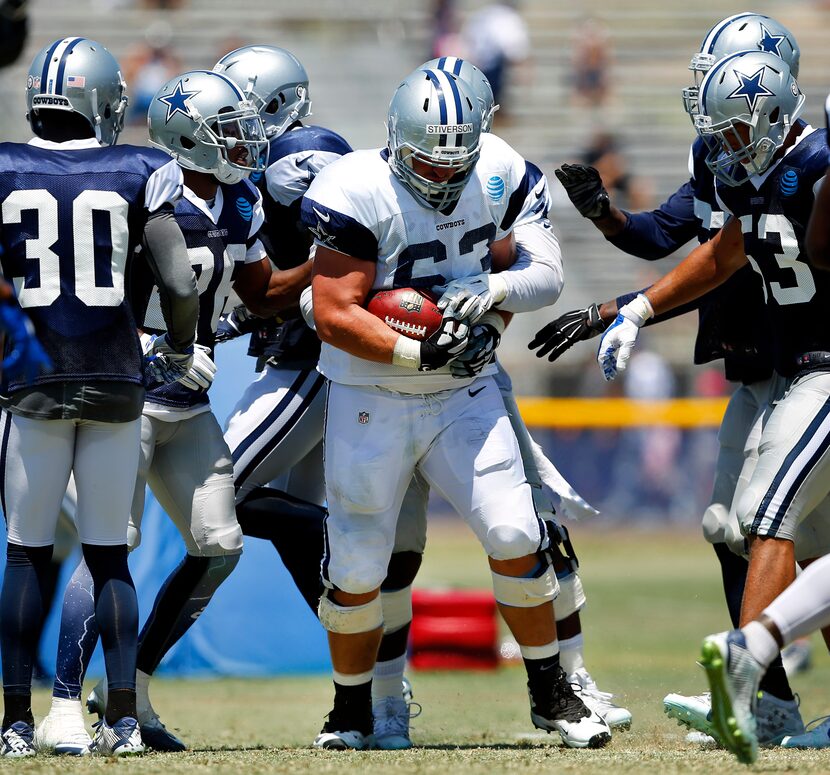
357 206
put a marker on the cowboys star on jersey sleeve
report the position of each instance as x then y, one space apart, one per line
357 206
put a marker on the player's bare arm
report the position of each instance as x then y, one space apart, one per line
818 228
340 284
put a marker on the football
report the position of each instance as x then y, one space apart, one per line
409 311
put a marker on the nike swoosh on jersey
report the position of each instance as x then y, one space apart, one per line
473 393
324 218
300 162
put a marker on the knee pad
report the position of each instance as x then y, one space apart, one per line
571 597
508 542
350 620
518 592
715 520
397 609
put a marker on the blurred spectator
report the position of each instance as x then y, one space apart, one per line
147 67
625 190
710 383
445 37
162 5
14 28
497 39
590 63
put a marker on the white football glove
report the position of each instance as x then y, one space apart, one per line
618 340
468 298
161 362
202 371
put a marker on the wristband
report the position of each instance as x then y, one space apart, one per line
498 287
638 310
493 319
407 353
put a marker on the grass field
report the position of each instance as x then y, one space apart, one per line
652 597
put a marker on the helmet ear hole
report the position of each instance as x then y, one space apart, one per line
107 111
187 143
774 116
272 107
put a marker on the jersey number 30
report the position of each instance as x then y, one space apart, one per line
88 271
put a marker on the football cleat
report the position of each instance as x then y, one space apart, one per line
733 675
586 689
817 737
343 731
797 656
157 736
17 741
777 719
406 690
96 701
391 717
123 738
562 711
698 738
63 730
692 711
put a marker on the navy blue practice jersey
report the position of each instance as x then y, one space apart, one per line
71 215
773 210
295 157
220 240
733 321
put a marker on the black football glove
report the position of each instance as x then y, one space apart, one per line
236 323
584 188
445 345
484 339
564 332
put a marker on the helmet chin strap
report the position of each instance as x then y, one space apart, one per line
229 175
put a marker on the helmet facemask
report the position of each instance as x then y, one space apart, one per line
435 120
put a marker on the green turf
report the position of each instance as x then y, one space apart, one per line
652 598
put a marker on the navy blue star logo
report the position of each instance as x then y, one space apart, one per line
177 101
770 43
319 231
751 88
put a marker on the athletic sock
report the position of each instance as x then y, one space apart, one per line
78 635
116 611
21 610
733 573
295 528
541 672
571 654
182 597
760 643
387 680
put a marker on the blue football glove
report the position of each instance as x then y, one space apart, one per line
620 337
484 339
27 358
236 323
163 364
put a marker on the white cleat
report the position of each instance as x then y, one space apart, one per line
815 738
693 711
391 723
704 741
600 702
123 738
341 741
63 730
733 675
17 741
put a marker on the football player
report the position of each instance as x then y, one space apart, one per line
73 208
216 136
768 165
801 609
275 431
732 326
430 175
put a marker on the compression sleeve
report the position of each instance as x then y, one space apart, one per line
658 233
167 256
536 279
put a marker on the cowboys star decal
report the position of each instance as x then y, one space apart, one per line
770 43
751 88
177 101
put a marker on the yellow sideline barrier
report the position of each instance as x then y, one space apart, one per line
621 412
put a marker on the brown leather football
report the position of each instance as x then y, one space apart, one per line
408 311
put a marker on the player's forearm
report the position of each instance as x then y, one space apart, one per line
612 223
285 287
356 331
535 279
166 254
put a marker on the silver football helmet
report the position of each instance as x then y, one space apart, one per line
78 75
274 80
203 120
434 119
473 76
741 32
748 104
